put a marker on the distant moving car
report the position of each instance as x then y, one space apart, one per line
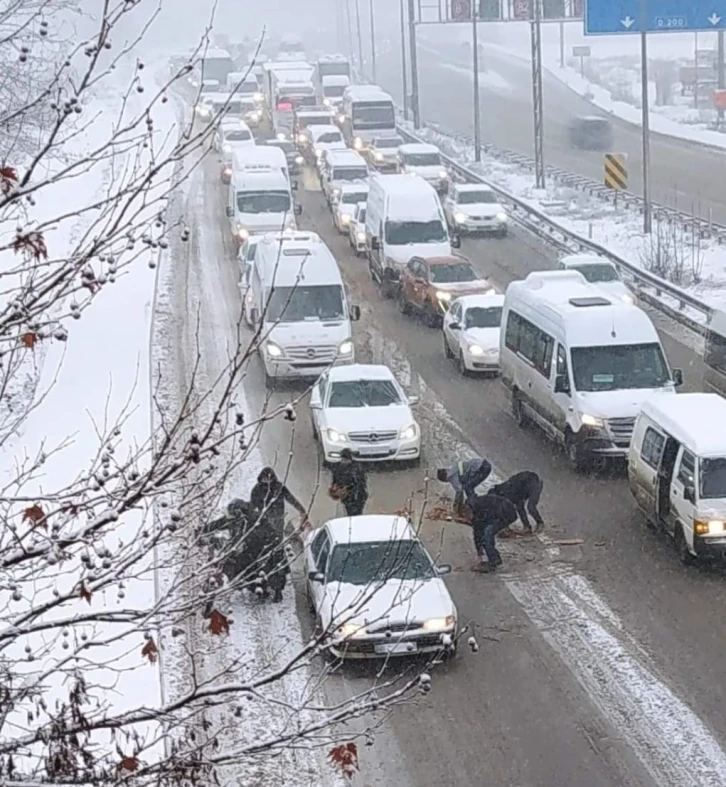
375 590
472 329
424 160
294 159
600 272
382 154
473 208
363 408
344 205
591 133
357 229
427 286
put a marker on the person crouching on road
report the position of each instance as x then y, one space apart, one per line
464 477
525 487
350 484
490 515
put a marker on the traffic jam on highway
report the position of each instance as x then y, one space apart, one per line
578 357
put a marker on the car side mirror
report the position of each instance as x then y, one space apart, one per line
229 211
562 384
689 494
295 185
375 244
355 313
316 576
413 400
455 326
443 569
678 376
298 210
455 241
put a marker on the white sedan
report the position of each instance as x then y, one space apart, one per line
343 206
375 590
363 408
472 208
599 272
357 229
471 328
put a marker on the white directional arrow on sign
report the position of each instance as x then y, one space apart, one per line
714 19
628 22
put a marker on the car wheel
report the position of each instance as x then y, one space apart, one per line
575 454
403 305
461 365
518 411
502 233
447 349
684 554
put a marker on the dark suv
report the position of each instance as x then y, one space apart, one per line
591 133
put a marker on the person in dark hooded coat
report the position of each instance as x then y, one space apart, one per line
268 498
349 479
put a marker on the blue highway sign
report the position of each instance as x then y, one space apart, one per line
613 17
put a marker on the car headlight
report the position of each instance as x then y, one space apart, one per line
361 236
243 233
227 170
408 433
302 138
299 159
378 156
341 118
712 527
227 148
349 630
357 143
346 347
443 296
460 218
257 97
318 153
439 624
273 350
345 218
326 102
281 137
335 436
443 174
475 349
501 217
591 420
254 117
627 298
336 193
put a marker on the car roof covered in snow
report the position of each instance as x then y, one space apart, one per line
316 130
409 199
464 188
488 300
216 53
335 80
366 93
418 147
259 155
693 419
584 259
267 179
345 158
295 262
335 58
370 528
594 320
354 188
359 371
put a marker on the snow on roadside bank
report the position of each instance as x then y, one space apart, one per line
618 230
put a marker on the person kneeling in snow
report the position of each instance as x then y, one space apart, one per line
490 515
525 487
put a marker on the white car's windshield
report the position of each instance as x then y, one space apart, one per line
329 137
384 144
350 173
228 107
597 273
363 393
422 160
453 273
477 198
619 367
353 198
247 88
334 91
379 561
713 478
401 233
299 304
239 135
263 201
480 317
361 216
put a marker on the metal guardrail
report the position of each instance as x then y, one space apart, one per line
648 287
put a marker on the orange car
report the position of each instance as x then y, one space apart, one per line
428 286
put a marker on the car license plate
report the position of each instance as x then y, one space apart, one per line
397 647
373 450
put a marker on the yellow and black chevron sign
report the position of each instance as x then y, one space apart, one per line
616 171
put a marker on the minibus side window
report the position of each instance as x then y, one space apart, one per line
687 470
652 448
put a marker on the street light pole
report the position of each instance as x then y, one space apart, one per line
373 42
645 98
404 66
477 112
360 38
539 168
349 25
721 73
415 104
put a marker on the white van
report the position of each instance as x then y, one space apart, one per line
343 167
579 364
260 158
425 161
260 201
677 470
245 85
404 219
332 88
301 310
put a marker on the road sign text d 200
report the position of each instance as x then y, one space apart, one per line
460 10
612 17
616 171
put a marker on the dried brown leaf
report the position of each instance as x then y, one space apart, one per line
345 759
150 651
218 623
29 340
129 764
36 515
84 592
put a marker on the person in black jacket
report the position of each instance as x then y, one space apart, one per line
525 487
490 515
465 476
268 498
350 479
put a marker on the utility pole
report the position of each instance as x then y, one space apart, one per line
404 66
645 98
415 103
360 37
539 169
721 72
349 24
373 42
477 112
